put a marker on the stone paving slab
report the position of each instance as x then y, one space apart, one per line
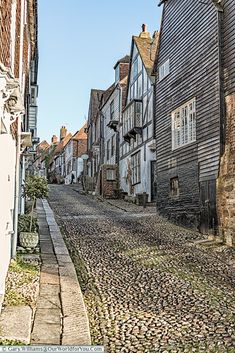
48 316
49 278
63 259
61 316
49 290
46 334
15 324
50 302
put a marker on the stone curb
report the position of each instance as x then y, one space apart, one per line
75 323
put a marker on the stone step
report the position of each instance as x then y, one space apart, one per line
15 324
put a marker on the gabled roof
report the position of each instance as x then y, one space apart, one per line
95 97
43 145
59 148
147 48
106 95
124 60
80 134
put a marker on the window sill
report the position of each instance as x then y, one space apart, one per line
185 145
160 80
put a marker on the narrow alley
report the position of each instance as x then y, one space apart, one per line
149 285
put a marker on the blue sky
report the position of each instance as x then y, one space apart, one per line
79 43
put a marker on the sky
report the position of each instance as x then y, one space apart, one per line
79 43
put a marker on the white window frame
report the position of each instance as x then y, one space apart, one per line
164 70
110 174
136 168
117 73
183 124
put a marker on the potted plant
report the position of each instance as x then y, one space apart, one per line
35 188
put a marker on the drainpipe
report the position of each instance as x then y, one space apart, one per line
118 131
22 208
22 22
17 188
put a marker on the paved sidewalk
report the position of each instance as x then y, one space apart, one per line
61 316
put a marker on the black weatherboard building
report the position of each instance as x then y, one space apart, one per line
189 111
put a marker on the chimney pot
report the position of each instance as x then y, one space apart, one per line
63 133
144 27
54 139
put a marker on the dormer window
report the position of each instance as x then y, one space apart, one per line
117 73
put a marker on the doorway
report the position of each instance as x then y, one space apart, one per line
153 181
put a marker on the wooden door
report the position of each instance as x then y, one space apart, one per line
208 216
153 181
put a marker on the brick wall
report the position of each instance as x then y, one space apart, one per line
109 188
226 180
5 32
17 44
79 148
124 68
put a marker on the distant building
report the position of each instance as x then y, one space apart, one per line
56 158
94 137
137 134
75 148
112 103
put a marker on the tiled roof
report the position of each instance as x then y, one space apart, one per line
107 94
59 148
80 134
147 48
95 98
124 60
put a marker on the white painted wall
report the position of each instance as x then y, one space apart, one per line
7 190
80 166
145 184
69 165
109 133
140 88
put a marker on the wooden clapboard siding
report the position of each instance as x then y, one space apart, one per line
229 46
189 39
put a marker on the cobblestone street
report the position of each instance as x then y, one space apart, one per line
147 284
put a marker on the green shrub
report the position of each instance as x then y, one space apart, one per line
35 187
24 223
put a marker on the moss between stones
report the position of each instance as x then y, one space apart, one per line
6 342
20 274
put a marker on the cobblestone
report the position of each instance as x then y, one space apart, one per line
147 286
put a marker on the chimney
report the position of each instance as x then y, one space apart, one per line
144 27
54 140
144 34
63 133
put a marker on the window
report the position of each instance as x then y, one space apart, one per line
174 187
33 95
117 73
112 145
111 110
135 163
135 68
108 149
111 174
164 70
184 125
